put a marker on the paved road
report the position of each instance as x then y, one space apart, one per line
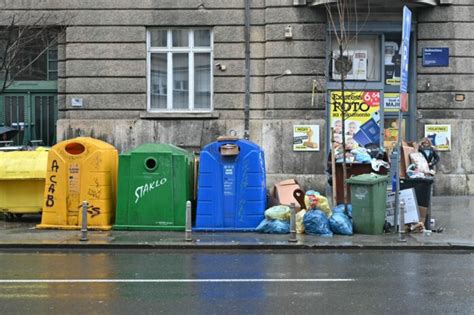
237 282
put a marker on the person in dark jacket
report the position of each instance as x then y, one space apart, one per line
426 148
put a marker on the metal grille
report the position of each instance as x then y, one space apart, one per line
44 119
15 116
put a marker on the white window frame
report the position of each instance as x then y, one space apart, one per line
169 50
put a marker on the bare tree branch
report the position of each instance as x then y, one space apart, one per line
343 18
24 41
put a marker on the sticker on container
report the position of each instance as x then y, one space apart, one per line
229 180
361 193
74 179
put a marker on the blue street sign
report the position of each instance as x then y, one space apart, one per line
405 49
436 57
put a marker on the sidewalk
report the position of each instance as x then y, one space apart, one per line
454 213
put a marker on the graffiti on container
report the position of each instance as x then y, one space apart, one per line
52 185
96 162
95 191
91 209
141 191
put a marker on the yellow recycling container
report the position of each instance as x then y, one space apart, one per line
22 175
80 169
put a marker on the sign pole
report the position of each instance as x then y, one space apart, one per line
405 49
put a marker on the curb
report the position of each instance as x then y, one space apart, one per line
226 246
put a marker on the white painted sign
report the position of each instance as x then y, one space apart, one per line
141 191
76 102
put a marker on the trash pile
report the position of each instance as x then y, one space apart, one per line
314 215
359 154
419 159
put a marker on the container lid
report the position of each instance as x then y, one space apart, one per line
367 179
426 180
152 148
23 165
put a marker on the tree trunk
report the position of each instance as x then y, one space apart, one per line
343 121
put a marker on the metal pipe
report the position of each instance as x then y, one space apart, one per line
84 222
401 229
398 167
247 71
292 238
188 237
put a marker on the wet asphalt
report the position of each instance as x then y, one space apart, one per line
237 282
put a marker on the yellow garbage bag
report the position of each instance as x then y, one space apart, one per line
299 221
278 213
313 199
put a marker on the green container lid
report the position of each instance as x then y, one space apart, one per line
367 179
154 184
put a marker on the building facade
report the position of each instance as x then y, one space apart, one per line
131 72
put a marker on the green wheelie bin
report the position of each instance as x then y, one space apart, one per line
155 181
369 202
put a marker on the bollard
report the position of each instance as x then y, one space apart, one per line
188 237
292 238
401 229
84 222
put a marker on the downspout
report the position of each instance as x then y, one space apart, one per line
247 71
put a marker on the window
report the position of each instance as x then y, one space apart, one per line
179 69
31 55
362 56
53 63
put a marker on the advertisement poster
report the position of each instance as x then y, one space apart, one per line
391 102
391 132
440 136
362 123
392 63
306 138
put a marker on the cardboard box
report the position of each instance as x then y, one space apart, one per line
407 148
283 192
423 212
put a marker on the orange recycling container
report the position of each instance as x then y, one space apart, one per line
78 170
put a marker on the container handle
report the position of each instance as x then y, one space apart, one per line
229 149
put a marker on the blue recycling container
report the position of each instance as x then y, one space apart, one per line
231 186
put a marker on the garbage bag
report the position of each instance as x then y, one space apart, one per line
314 200
273 227
299 221
361 155
340 209
340 223
316 222
278 213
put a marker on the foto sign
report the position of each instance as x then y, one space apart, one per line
405 49
436 57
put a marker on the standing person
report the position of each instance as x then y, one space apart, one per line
429 152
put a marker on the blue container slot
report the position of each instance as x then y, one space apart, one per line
231 188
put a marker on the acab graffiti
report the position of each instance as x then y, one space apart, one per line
53 183
141 191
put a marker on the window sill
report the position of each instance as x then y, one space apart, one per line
179 115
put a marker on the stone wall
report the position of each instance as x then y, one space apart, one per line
449 26
103 61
